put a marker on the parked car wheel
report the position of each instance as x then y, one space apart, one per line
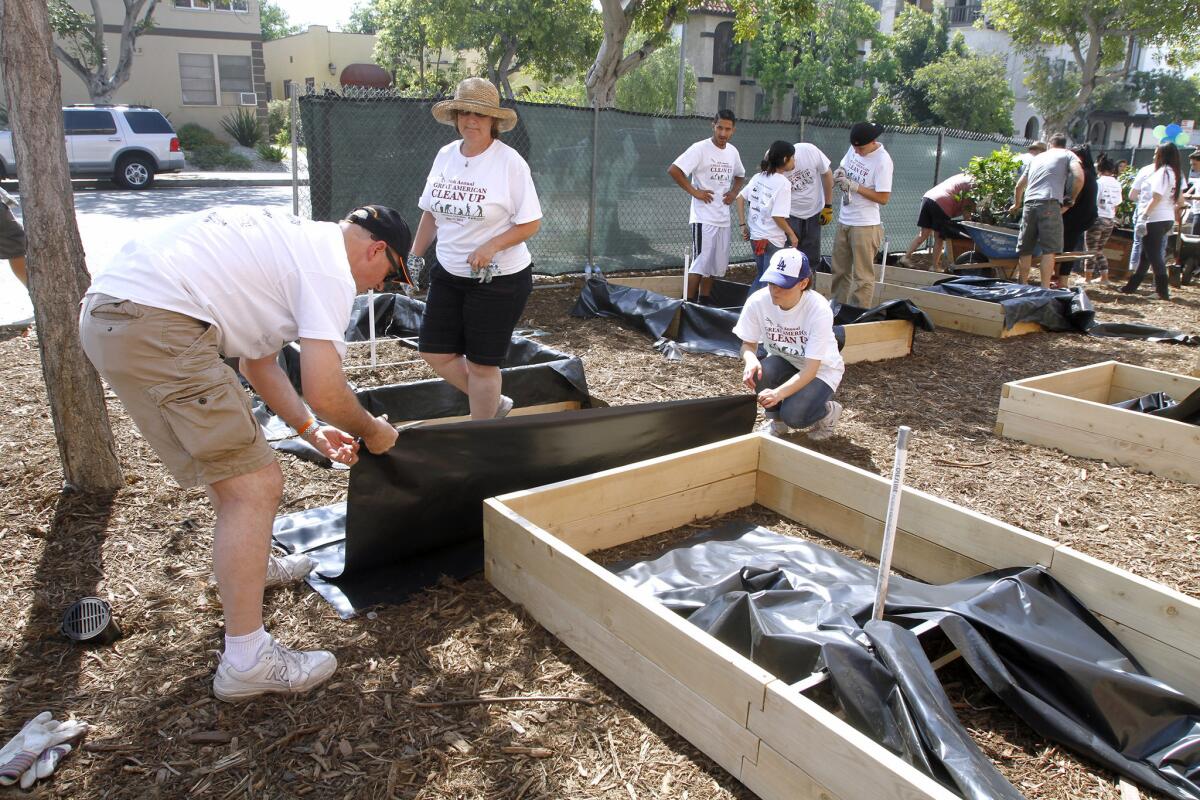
134 172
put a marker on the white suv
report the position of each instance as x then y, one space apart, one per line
130 143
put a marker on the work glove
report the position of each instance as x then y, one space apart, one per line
34 753
827 214
1140 230
415 265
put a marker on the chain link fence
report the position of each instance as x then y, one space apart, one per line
601 175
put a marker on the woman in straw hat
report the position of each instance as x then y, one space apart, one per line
480 203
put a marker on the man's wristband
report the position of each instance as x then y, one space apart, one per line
309 426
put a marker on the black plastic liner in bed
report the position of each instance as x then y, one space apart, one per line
416 513
794 607
1053 309
1160 404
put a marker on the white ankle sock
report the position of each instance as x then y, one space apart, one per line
242 651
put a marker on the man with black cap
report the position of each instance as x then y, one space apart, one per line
865 179
159 321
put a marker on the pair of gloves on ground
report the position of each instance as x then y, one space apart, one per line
34 753
842 181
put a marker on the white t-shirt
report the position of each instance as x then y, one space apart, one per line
476 199
803 331
713 168
1162 183
873 171
808 192
767 196
1141 185
262 277
1108 196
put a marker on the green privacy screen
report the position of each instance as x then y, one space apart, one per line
601 175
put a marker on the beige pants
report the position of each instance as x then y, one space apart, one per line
854 249
170 377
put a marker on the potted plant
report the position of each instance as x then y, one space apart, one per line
994 179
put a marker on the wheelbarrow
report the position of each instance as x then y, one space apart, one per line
996 247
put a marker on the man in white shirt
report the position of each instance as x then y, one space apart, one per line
158 322
865 179
812 198
711 172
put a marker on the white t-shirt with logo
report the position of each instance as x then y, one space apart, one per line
767 196
476 198
1141 185
873 171
712 168
808 192
1162 183
803 331
1108 196
262 277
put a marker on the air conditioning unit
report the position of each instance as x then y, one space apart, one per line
248 98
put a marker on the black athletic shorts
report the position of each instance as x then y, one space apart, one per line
933 218
475 319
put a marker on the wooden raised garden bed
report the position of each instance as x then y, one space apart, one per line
1070 411
768 734
960 313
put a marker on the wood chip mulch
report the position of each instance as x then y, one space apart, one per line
383 727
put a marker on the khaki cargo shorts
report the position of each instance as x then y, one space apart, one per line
187 403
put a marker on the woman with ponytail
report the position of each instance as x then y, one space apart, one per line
769 197
1157 219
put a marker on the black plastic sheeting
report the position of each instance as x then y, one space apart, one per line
1149 333
1053 309
709 329
1160 404
794 607
416 512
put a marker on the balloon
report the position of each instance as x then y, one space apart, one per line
1173 130
1183 138
1160 131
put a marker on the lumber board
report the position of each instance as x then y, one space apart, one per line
960 313
875 341
1105 448
591 495
968 533
1173 667
726 741
542 408
1155 610
773 776
732 683
1092 382
913 555
666 285
1129 381
836 755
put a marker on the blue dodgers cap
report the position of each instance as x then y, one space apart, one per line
787 268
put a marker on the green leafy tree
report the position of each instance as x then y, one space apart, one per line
405 33
993 182
649 22
651 89
1053 87
1099 34
918 40
275 21
820 59
1170 96
364 18
80 45
969 91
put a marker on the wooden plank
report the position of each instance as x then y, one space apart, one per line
1132 381
1021 329
666 285
1173 667
638 520
591 495
1161 613
721 738
712 670
875 341
959 313
958 529
912 555
773 777
1088 383
1105 448
543 408
836 755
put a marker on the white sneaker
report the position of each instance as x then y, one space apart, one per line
824 428
506 405
278 670
772 426
288 569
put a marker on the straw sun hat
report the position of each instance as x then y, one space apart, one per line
479 96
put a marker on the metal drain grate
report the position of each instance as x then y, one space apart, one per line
90 620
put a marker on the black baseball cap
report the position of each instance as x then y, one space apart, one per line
389 227
864 133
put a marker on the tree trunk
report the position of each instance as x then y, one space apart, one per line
57 274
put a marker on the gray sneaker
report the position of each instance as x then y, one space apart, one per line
824 428
506 405
279 670
773 426
282 570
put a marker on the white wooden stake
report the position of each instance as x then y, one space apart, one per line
889 525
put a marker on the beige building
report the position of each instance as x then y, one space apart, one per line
314 58
201 60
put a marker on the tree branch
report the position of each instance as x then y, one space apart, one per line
73 63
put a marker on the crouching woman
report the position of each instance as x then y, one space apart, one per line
803 368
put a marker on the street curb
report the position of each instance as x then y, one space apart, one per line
165 182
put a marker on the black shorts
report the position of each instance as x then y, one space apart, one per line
933 218
471 318
12 235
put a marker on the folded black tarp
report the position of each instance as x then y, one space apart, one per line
709 329
416 512
1149 333
1053 309
1160 404
794 607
